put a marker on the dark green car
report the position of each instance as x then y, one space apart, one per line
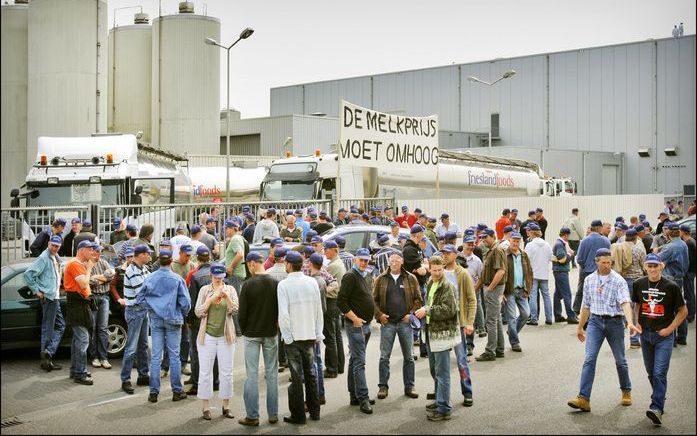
21 314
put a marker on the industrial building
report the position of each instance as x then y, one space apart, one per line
619 118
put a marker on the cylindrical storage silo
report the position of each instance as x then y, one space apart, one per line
186 83
130 75
13 141
67 69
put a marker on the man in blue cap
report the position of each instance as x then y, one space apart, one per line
86 233
333 353
132 236
324 223
100 280
267 228
446 226
689 282
165 296
519 283
494 282
585 257
430 230
41 242
118 231
660 309
413 263
676 260
44 279
355 300
249 227
341 218
68 247
525 224
561 265
606 306
381 258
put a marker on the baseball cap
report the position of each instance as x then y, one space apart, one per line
165 254
490 232
186 249
375 221
253 256
565 231
342 210
340 240
514 235
471 239
685 228
620 225
652 258
298 212
330 244
195 229
270 211
313 214
86 244
354 210
210 219
449 248
482 226
444 216
246 209
316 259
432 219
417 210
180 227
631 232
310 234
276 241
294 257
514 210
86 222
218 270
602 252
60 221
416 229
363 253
322 213
450 236
315 239
640 228
165 243
250 217
56 240
532 212
116 221
469 232
398 253
394 224
596 223
673 226
507 229
405 207
642 216
230 224
383 239
203 250
533 226
386 208
619 219
308 250
280 252
365 216
140 248
402 237
129 252
539 209
131 227
75 220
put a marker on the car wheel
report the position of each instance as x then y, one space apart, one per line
118 334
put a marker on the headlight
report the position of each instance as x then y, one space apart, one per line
95 179
52 180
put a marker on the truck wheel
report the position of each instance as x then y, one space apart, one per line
118 334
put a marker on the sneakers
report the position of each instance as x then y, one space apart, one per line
96 363
656 416
438 417
152 397
382 392
105 364
580 403
626 398
178 396
127 387
486 357
468 402
635 345
249 422
411 393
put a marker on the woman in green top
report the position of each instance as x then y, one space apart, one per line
216 305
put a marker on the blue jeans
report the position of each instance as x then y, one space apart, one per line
578 299
599 330
164 333
52 325
99 341
515 303
439 366
543 287
463 366
657 351
269 349
406 342
137 342
358 338
689 291
78 352
183 350
562 292
318 369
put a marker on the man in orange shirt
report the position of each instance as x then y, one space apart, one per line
406 219
76 281
502 223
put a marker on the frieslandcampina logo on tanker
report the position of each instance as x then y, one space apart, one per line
490 178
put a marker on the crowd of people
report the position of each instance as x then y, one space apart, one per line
197 299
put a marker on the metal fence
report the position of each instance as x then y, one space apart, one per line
366 203
21 225
215 160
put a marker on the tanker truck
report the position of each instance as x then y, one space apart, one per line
459 175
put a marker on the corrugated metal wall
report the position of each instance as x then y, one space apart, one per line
467 212
594 99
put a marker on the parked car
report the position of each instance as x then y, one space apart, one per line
361 235
21 314
690 221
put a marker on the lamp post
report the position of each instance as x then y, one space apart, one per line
507 75
246 33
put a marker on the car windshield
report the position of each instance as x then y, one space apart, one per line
5 272
285 191
75 194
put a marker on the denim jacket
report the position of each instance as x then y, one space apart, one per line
41 277
165 294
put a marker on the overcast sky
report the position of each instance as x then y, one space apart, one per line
299 41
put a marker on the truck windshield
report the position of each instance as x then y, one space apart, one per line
286 191
75 194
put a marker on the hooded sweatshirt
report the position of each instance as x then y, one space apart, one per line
266 227
540 254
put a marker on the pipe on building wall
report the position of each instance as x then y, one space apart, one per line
96 80
655 116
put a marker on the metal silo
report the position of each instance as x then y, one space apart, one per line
67 69
13 95
185 83
130 75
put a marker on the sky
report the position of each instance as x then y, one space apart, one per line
301 41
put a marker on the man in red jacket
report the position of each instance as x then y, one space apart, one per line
406 219
502 223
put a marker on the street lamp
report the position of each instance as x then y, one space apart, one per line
246 33
507 75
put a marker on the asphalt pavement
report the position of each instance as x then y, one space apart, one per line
524 393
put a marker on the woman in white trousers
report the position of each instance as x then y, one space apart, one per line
216 304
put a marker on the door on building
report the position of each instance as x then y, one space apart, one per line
609 180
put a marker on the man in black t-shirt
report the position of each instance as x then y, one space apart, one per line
660 309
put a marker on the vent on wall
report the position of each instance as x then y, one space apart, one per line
495 126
